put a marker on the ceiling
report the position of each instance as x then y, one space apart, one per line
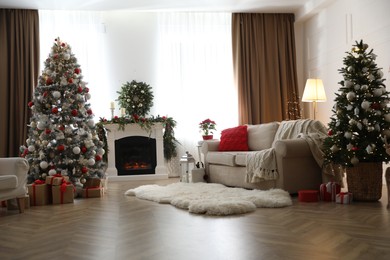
280 6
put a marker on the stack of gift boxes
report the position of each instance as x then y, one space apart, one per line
330 191
57 189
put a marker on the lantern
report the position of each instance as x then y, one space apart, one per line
187 163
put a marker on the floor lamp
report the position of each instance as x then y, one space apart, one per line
314 92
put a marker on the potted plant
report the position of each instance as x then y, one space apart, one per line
360 125
206 128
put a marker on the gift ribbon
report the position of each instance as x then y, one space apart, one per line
63 190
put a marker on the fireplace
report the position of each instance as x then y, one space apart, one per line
127 145
135 155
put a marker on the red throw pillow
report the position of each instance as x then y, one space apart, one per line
234 139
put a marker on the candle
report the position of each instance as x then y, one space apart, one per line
123 111
112 105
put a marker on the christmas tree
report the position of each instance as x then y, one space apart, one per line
62 136
360 124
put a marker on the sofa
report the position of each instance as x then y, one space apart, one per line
295 155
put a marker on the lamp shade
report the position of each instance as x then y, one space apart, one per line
314 91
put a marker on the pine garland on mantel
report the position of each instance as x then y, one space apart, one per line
146 123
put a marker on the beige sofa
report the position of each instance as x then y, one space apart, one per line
297 168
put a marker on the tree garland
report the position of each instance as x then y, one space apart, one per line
136 98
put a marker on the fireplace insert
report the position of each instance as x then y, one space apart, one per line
135 155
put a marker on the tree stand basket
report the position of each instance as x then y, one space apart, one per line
365 181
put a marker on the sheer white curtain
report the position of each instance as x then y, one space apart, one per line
195 73
83 31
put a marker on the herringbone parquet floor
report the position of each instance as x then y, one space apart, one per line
121 227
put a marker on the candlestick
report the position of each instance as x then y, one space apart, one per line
123 111
112 106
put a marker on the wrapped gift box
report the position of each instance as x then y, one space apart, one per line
328 191
308 195
38 193
344 198
63 193
92 182
56 179
93 192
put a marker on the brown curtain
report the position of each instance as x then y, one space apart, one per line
265 67
19 69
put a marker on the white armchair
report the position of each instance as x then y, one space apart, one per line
13 179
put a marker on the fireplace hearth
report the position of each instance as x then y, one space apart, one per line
135 155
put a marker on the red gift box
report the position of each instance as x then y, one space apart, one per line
328 191
308 195
344 198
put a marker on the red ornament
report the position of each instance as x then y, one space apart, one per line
89 111
355 148
330 132
61 127
60 148
84 169
375 106
30 104
70 80
55 56
77 71
86 90
74 112
54 110
63 44
98 158
49 81
79 89
48 131
84 149
45 94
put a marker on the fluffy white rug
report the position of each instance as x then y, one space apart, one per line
211 198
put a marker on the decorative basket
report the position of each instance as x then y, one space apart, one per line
365 181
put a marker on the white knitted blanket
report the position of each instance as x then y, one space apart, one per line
261 166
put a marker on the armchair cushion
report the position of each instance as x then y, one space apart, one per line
8 182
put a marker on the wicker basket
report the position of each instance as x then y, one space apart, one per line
365 181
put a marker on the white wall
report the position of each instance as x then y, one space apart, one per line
326 37
131 38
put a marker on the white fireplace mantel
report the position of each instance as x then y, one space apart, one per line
114 133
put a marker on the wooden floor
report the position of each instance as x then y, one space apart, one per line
121 227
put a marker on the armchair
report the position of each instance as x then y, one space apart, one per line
13 179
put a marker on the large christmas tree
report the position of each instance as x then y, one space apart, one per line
360 124
62 137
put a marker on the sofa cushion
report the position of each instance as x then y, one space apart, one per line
234 139
261 136
223 158
240 159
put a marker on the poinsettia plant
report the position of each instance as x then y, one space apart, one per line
207 126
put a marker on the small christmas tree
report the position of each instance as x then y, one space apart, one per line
360 125
62 137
